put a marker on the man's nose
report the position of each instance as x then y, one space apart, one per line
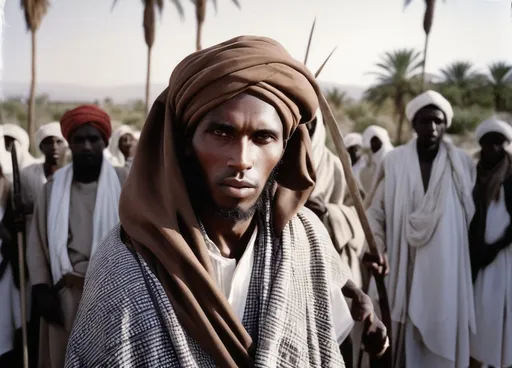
241 157
87 145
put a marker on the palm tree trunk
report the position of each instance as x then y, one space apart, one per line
32 96
199 34
425 49
148 81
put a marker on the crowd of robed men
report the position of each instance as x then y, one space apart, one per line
234 241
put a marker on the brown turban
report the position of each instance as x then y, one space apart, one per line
154 207
84 114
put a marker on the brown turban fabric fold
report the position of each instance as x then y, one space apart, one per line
84 114
154 208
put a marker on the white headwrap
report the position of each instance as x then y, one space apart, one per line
5 156
494 125
22 143
383 135
19 134
114 143
136 135
429 98
353 139
49 130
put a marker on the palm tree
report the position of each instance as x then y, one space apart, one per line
201 15
462 77
398 79
150 8
500 79
34 10
336 97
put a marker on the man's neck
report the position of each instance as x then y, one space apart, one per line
86 176
427 154
49 167
230 237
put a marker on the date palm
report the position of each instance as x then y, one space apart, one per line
201 15
463 77
500 79
398 78
149 25
34 11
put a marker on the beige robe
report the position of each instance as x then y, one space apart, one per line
53 339
32 180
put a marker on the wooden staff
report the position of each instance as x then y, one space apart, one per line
384 360
19 222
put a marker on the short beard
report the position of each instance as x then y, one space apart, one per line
200 196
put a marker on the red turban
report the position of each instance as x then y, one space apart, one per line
86 114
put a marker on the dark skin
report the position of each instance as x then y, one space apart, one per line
127 144
9 141
237 146
355 153
493 149
86 144
53 152
375 144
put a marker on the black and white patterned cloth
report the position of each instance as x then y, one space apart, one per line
125 318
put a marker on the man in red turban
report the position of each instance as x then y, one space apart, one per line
76 210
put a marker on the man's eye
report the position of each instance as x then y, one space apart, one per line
264 138
219 133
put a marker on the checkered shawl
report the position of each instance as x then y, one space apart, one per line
126 320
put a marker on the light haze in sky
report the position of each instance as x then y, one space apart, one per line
84 42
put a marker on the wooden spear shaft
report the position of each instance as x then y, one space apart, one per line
333 127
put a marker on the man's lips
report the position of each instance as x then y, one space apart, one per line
237 188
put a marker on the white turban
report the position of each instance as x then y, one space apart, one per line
353 139
494 125
136 135
19 134
49 130
429 98
117 155
375 131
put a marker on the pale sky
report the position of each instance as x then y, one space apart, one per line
83 42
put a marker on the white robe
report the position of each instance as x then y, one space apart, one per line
492 344
429 284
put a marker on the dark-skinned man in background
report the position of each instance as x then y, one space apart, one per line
490 236
420 212
76 209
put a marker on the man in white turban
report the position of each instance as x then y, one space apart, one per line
376 140
354 144
53 146
14 134
490 237
420 210
122 146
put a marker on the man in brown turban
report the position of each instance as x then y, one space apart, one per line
76 209
216 262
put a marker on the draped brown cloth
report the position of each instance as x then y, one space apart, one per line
154 208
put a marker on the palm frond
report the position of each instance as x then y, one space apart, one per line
34 12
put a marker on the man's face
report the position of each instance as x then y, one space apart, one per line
375 144
493 148
355 153
87 145
430 125
237 147
9 141
52 148
127 144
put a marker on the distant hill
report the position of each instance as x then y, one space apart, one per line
120 94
